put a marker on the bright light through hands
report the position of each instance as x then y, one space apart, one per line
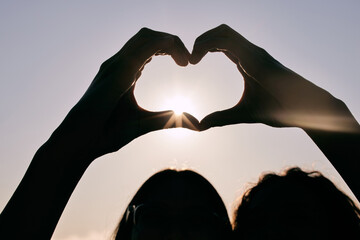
179 104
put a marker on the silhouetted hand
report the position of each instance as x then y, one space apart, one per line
273 94
107 117
276 96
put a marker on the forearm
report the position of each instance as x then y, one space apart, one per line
37 204
342 149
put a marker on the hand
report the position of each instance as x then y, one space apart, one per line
273 94
108 117
276 96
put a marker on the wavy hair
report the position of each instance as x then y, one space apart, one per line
340 211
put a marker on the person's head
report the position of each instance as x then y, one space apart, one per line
175 205
296 205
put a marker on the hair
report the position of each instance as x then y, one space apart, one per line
124 228
339 210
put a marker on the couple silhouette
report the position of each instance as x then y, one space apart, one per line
182 204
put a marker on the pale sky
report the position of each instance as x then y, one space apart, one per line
50 52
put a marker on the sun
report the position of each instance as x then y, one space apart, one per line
179 104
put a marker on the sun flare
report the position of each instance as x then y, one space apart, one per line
179 104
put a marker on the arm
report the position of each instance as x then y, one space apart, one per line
277 96
342 150
105 119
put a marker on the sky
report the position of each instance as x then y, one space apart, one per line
51 51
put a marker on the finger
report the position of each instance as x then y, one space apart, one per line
218 119
189 121
159 43
235 115
201 48
212 40
153 121
177 50
235 46
138 74
232 57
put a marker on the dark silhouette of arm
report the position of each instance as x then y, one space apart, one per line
342 150
105 119
277 96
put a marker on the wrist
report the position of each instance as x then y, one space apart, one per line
331 115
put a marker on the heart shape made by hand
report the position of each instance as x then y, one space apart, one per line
195 89
272 95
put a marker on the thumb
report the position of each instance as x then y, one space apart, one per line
234 115
153 121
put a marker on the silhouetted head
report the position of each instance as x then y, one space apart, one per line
175 205
296 205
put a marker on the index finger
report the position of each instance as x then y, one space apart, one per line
222 39
251 58
149 43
